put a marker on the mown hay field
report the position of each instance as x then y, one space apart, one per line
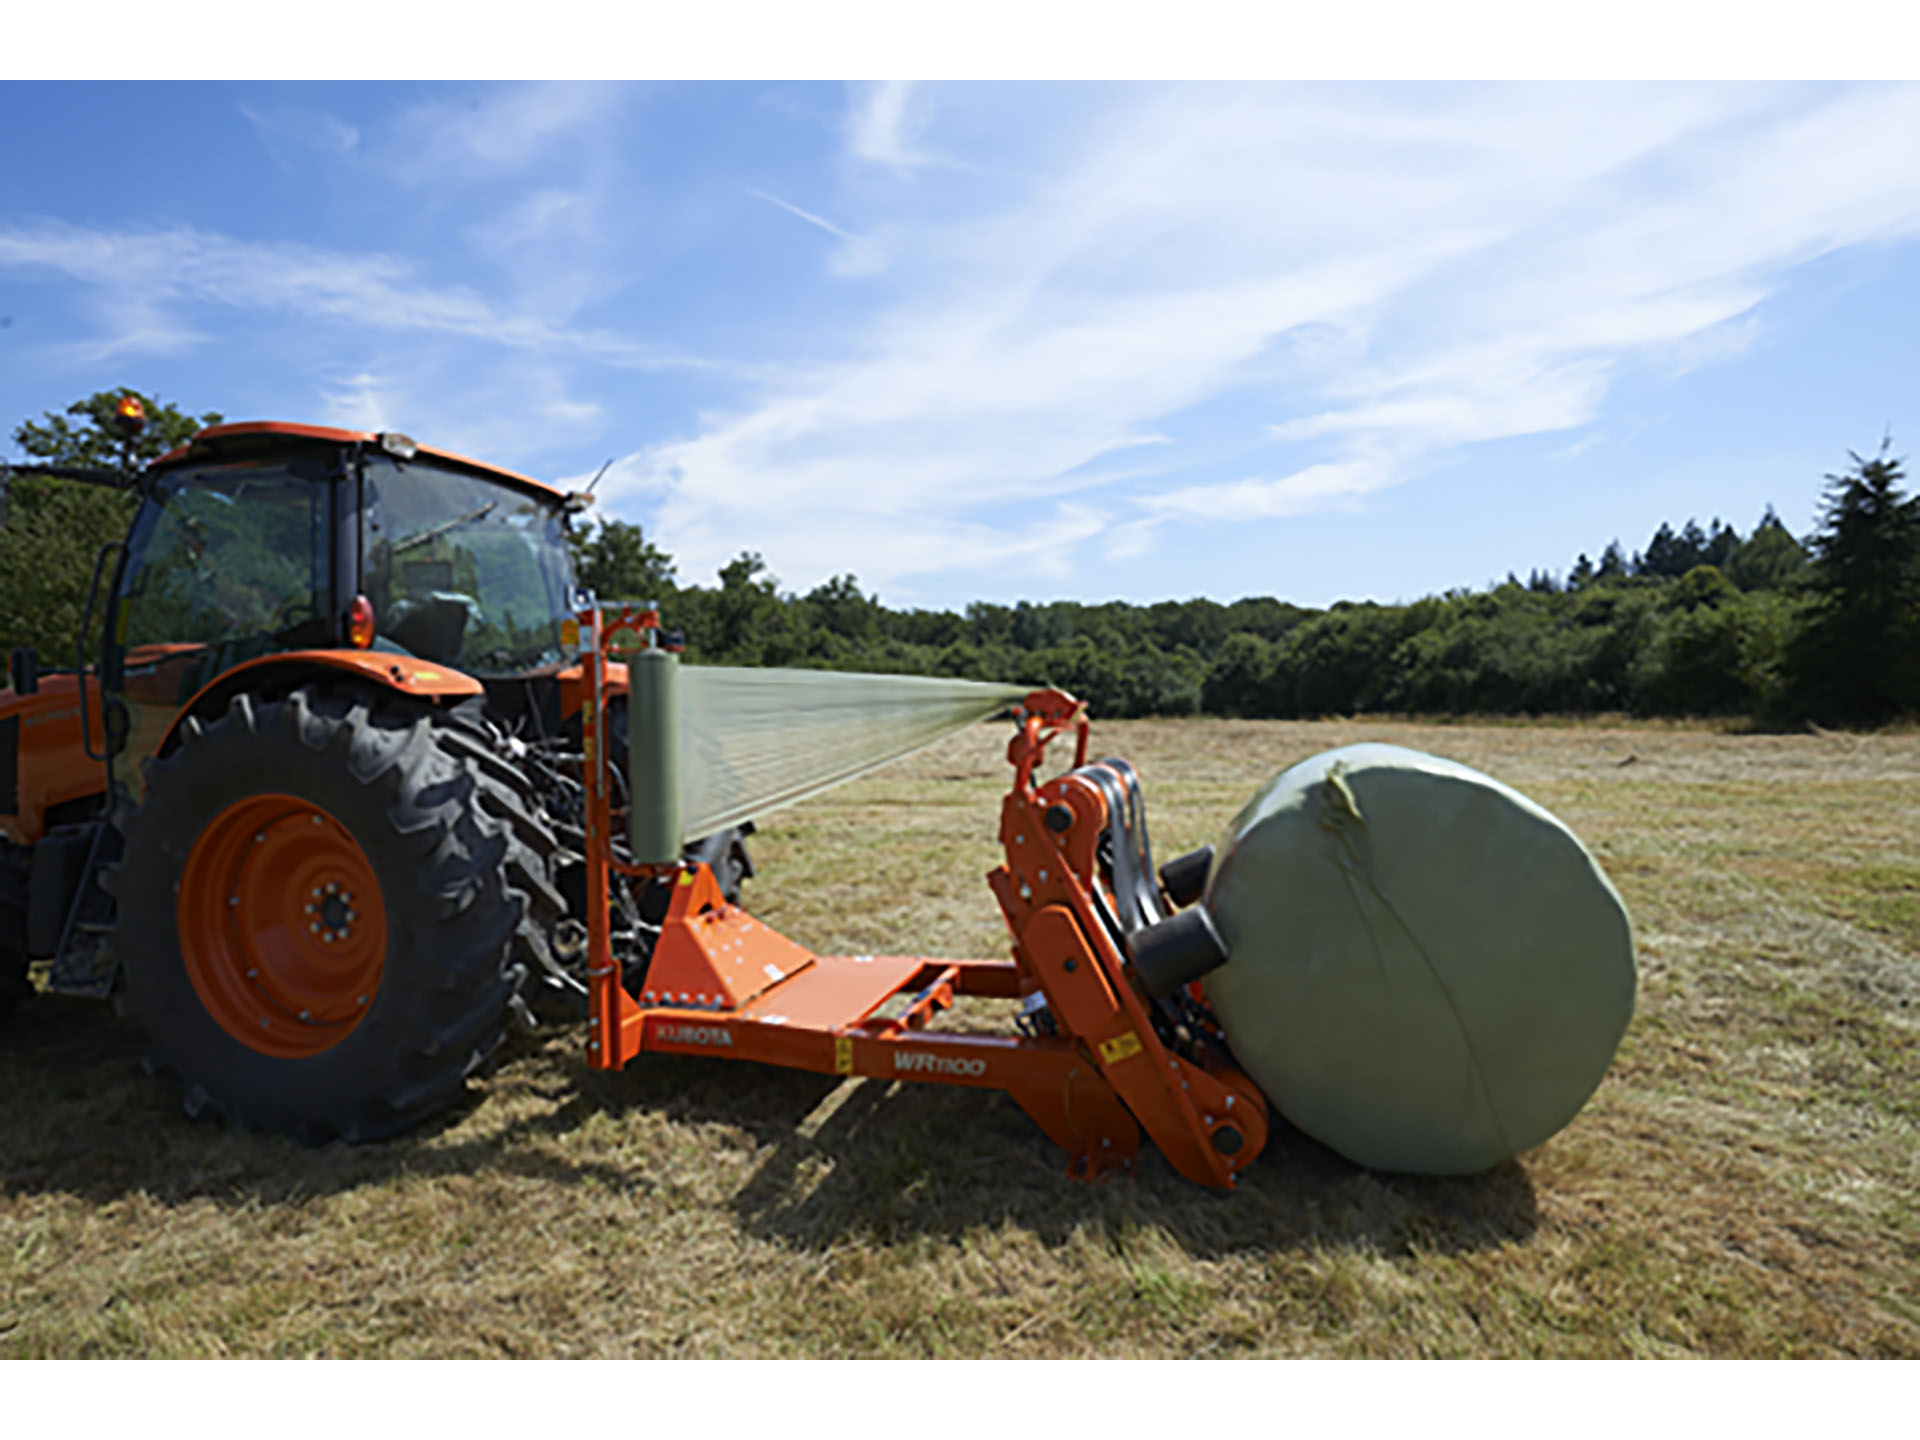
1742 1185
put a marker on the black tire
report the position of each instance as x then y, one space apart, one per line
14 984
15 866
725 853
457 851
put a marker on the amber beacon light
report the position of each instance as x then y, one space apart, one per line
360 623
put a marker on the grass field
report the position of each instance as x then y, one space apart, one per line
1743 1184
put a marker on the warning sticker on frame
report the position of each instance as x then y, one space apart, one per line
1119 1048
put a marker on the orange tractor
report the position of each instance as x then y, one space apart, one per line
342 797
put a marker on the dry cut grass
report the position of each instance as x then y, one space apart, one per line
1742 1185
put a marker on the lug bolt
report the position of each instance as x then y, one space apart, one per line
331 887
327 939
313 927
345 932
317 892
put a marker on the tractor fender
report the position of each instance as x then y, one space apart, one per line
401 674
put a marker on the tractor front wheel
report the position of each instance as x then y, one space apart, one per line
322 903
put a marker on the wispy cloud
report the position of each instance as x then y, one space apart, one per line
288 130
365 401
856 256
806 215
882 123
481 135
1097 318
1318 487
141 276
1376 277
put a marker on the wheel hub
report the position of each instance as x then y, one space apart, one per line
282 926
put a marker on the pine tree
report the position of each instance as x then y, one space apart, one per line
1768 559
1722 541
1690 549
1659 559
1857 658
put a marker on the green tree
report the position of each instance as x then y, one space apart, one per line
1768 559
839 606
1855 659
747 621
1236 682
616 561
54 528
88 435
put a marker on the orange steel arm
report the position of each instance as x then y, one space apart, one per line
722 984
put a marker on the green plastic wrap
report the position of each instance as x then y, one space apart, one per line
753 740
1427 971
654 820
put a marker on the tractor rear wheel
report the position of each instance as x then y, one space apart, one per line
326 903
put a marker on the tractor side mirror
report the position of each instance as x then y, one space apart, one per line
23 670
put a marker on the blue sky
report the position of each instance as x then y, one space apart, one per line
1003 341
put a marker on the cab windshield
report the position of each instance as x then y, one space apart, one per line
462 571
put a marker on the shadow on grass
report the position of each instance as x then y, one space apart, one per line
895 1161
838 1160
889 1162
82 1117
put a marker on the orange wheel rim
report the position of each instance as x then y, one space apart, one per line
282 926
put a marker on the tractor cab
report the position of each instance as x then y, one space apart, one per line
263 540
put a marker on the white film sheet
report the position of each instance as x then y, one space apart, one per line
753 740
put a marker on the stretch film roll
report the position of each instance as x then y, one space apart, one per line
753 740
653 754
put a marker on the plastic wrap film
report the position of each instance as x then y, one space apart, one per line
1427 971
753 740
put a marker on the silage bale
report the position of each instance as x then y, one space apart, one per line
1428 972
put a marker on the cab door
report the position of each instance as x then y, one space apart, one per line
226 562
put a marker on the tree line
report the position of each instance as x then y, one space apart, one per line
1702 621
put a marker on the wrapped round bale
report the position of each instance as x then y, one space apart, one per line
1427 971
